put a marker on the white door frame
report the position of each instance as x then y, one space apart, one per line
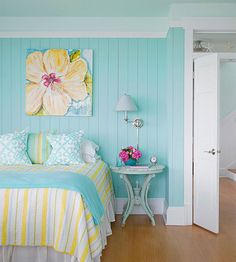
191 25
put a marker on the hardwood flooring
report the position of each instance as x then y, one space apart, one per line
139 241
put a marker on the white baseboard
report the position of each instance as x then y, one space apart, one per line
171 215
224 172
231 175
156 204
175 216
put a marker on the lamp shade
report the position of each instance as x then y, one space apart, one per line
125 103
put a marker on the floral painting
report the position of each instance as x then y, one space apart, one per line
59 82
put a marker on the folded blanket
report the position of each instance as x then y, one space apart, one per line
62 180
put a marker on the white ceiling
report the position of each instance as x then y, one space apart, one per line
93 8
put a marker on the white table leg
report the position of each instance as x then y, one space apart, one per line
144 199
130 203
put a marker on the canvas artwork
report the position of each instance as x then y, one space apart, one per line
59 82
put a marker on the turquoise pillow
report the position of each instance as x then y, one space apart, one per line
13 148
65 149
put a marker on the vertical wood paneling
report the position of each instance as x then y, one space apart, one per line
94 121
142 94
175 116
83 44
122 87
178 119
102 92
1 84
112 120
132 84
6 76
133 66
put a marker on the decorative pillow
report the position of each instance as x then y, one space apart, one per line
38 147
65 149
88 151
13 149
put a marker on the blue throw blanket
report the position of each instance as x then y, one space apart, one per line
63 180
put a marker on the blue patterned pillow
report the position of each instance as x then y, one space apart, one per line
65 149
13 149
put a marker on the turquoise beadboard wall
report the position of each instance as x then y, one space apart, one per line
175 117
135 66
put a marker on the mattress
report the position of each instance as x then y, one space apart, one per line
56 219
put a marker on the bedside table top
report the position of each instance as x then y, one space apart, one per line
137 171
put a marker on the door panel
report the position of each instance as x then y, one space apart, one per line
206 142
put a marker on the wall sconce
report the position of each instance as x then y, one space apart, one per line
126 104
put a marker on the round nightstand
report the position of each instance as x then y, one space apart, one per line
138 194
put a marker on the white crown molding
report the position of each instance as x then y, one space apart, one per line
206 24
78 34
213 24
107 27
124 27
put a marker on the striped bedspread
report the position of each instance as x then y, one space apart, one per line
54 218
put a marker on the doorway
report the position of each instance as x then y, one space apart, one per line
208 89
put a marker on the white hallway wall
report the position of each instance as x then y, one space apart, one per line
228 117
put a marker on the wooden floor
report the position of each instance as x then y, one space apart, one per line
139 241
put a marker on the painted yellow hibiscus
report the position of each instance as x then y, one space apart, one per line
54 80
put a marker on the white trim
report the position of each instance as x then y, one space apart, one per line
225 173
78 34
99 27
156 204
230 175
211 24
171 215
217 24
175 216
188 124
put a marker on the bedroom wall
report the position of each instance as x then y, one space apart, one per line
135 66
175 117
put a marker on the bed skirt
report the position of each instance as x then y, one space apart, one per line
46 254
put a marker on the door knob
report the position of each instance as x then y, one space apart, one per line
212 151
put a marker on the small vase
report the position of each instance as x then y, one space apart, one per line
130 162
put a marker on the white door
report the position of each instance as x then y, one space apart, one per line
206 142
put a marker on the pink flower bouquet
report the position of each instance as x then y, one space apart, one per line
129 155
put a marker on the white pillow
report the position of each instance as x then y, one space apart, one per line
88 151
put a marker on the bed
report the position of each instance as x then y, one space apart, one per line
54 224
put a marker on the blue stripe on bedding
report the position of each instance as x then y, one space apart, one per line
63 180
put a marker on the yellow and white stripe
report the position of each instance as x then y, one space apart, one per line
55 218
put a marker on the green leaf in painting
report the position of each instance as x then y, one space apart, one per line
75 55
40 112
88 81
